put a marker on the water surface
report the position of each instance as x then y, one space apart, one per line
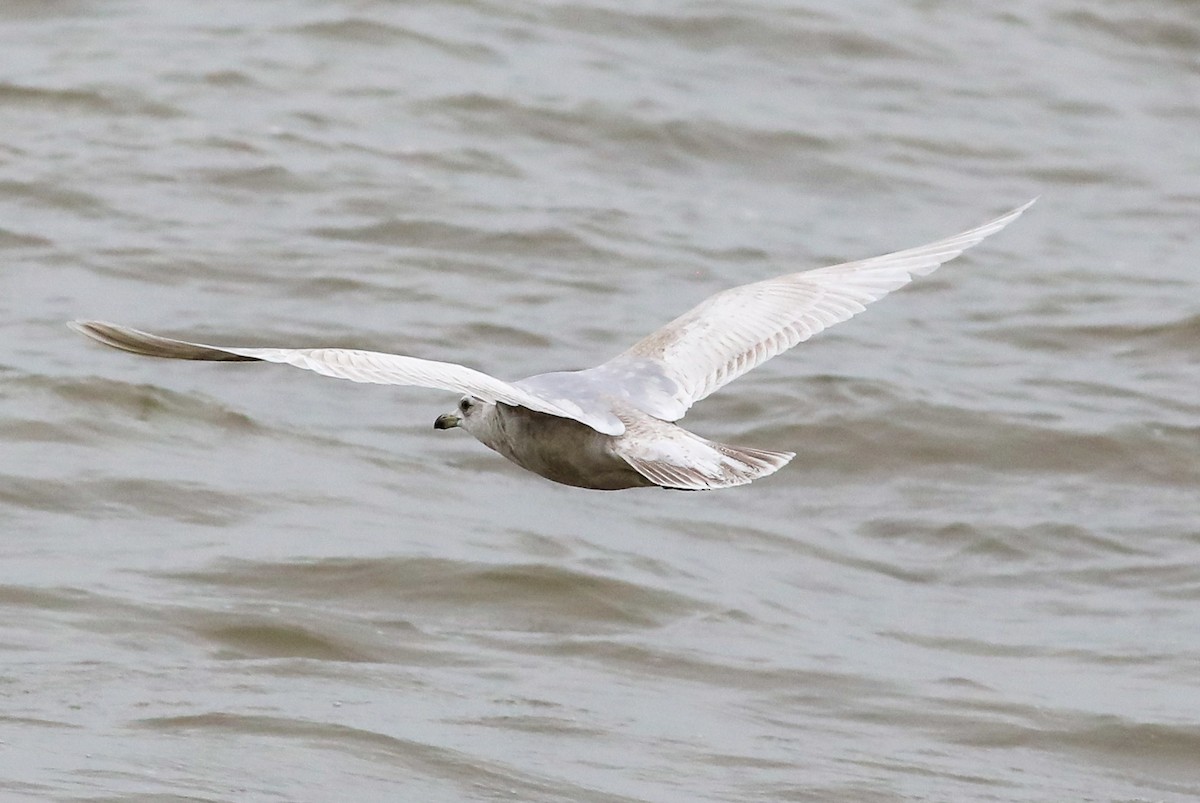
978 581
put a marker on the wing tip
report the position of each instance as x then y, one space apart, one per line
980 233
110 334
85 327
136 341
1013 214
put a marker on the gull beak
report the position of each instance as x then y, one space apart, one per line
446 421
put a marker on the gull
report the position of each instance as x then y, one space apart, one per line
613 426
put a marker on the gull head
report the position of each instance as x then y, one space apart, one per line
468 406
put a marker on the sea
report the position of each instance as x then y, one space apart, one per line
979 580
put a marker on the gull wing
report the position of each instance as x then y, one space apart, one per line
733 331
357 366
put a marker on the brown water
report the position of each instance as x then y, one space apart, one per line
979 581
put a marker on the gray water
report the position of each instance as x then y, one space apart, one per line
978 581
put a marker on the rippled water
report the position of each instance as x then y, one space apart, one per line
979 581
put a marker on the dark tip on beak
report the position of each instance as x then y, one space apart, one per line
446 421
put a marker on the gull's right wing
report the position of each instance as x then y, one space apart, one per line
357 366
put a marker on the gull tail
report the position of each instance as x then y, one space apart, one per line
680 459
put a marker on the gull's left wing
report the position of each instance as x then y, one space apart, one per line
735 330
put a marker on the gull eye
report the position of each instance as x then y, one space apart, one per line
464 405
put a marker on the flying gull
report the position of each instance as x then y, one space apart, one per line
612 426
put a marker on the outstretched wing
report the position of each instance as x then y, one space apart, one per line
357 366
738 329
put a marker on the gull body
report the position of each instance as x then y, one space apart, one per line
613 426
548 445
649 451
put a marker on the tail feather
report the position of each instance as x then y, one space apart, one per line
692 463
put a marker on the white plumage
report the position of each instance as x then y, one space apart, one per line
610 427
